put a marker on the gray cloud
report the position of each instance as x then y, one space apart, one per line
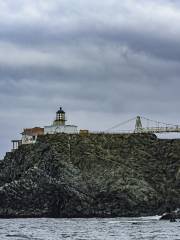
104 61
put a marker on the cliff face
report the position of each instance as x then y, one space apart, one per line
96 175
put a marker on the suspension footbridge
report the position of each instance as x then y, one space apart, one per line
145 125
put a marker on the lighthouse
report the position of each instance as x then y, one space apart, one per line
59 124
60 118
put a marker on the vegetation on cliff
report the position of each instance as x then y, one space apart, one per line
101 175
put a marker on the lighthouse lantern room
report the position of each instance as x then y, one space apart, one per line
60 118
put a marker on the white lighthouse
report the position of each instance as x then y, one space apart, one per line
59 125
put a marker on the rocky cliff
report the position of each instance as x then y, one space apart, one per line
102 175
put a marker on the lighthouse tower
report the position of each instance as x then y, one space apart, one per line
60 118
59 125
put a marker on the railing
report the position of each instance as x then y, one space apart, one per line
159 129
142 130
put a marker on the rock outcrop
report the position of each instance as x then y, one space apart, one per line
99 175
171 215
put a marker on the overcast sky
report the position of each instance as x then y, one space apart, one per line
104 61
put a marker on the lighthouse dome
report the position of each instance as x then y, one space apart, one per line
60 111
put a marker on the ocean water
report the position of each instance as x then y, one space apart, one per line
149 228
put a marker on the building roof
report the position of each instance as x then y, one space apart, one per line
33 131
60 110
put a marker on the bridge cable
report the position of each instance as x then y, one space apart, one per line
158 122
120 124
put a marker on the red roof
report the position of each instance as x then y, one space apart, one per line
33 131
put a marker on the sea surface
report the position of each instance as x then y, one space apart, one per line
149 228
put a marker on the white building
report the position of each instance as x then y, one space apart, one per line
29 135
59 125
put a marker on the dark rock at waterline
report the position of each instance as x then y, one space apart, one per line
168 216
171 215
100 175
